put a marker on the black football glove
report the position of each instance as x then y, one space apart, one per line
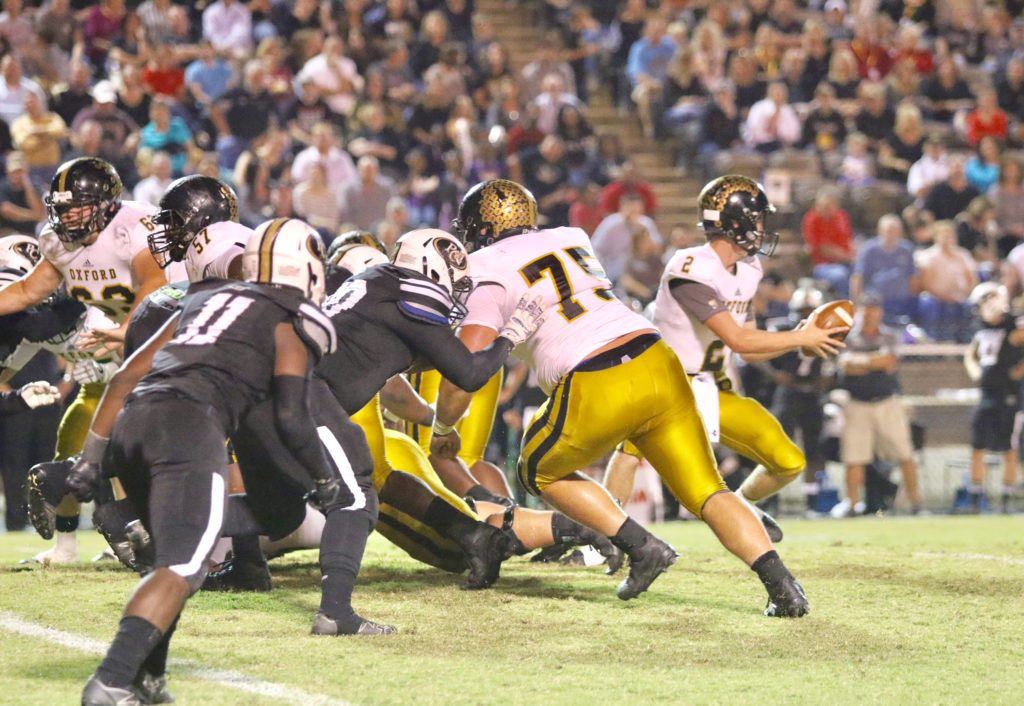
327 494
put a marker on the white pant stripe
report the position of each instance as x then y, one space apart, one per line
210 534
337 455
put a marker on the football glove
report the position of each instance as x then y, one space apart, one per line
327 494
89 371
527 318
39 394
85 478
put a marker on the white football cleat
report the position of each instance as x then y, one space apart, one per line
55 555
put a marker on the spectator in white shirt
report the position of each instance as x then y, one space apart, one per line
316 202
364 202
550 102
13 89
932 168
948 274
228 26
335 75
613 239
341 171
772 123
150 189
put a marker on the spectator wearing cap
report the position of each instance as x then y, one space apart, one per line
983 167
228 25
167 133
613 238
335 75
75 96
13 89
103 23
38 135
341 171
152 188
119 130
772 123
875 421
828 233
949 197
885 266
21 209
932 168
209 76
987 119
948 274
364 201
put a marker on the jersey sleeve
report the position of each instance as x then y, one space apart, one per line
443 350
693 266
485 307
697 298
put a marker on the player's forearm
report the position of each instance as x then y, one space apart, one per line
452 403
17 297
748 341
294 423
398 397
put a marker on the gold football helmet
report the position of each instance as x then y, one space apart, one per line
492 210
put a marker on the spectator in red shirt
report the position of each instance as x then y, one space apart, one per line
829 237
874 60
909 46
587 213
627 182
162 75
987 120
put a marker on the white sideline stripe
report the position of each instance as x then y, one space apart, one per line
983 557
235 680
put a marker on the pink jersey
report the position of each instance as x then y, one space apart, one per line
559 264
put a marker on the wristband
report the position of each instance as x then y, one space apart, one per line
442 429
94 448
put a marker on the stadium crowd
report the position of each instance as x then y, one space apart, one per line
893 122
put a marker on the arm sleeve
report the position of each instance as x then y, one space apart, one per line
440 347
50 320
697 298
294 422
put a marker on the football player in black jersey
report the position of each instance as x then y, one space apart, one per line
183 393
995 360
801 382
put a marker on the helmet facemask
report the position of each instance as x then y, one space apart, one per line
172 243
74 220
749 234
994 307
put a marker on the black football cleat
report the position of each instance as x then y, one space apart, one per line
152 689
322 625
239 575
613 556
771 527
787 599
484 548
552 553
45 488
96 693
646 563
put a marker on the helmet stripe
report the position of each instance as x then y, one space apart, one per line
266 259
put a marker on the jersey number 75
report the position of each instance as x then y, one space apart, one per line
551 265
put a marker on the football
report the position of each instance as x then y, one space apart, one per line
830 315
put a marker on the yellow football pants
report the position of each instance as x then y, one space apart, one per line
474 428
74 425
647 401
391 450
749 429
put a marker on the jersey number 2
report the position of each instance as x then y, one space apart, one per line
219 312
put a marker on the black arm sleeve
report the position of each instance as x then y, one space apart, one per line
50 320
294 422
442 349
11 403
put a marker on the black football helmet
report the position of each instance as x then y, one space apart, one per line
190 204
735 207
351 239
85 195
492 210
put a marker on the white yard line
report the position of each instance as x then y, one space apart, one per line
983 557
235 680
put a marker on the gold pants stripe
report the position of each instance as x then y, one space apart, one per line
647 400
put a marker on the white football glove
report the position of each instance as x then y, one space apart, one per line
39 394
89 370
526 319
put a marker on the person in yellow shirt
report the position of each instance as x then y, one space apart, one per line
37 133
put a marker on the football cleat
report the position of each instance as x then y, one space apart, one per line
152 689
646 563
613 556
484 548
45 487
239 575
96 693
322 625
552 553
787 599
53 556
115 520
771 527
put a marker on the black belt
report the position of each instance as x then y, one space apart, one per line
618 355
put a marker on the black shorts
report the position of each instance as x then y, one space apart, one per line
275 483
170 455
992 427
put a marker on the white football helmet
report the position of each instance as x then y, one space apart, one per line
19 252
286 252
992 301
438 256
806 296
359 257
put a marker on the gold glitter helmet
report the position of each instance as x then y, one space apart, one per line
735 207
492 210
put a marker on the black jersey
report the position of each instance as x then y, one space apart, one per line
151 314
996 357
58 316
222 353
386 318
807 372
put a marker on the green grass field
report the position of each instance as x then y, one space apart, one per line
903 611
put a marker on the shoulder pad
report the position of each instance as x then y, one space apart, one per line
316 330
422 300
170 295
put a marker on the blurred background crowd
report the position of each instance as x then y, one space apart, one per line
886 131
